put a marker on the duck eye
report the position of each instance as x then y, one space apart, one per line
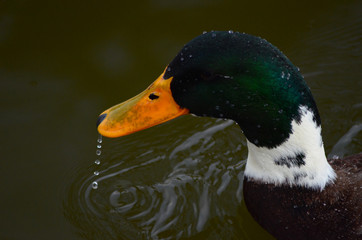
153 96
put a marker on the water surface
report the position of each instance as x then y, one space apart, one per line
62 63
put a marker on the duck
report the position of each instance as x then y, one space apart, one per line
290 188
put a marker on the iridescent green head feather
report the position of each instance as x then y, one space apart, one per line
244 78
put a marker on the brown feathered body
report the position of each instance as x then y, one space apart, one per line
290 212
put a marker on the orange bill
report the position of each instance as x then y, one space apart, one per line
153 106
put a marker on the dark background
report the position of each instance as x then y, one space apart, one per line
64 62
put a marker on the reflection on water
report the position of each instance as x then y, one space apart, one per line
144 192
343 145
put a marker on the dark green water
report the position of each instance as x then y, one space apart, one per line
62 63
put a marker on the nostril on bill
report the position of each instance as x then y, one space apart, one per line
101 118
153 96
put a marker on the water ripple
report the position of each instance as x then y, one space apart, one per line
167 189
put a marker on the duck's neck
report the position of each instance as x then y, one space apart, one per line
299 161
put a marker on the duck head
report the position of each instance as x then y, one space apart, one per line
223 75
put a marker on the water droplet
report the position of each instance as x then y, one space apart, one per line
96 173
182 59
98 152
204 32
213 35
97 162
99 146
94 185
190 56
230 31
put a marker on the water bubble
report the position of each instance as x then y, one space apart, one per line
280 111
258 126
204 32
230 31
256 141
96 173
99 146
98 152
168 69
182 59
288 76
265 105
97 162
283 75
190 56
94 185
99 140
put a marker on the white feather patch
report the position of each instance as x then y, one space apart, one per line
306 139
